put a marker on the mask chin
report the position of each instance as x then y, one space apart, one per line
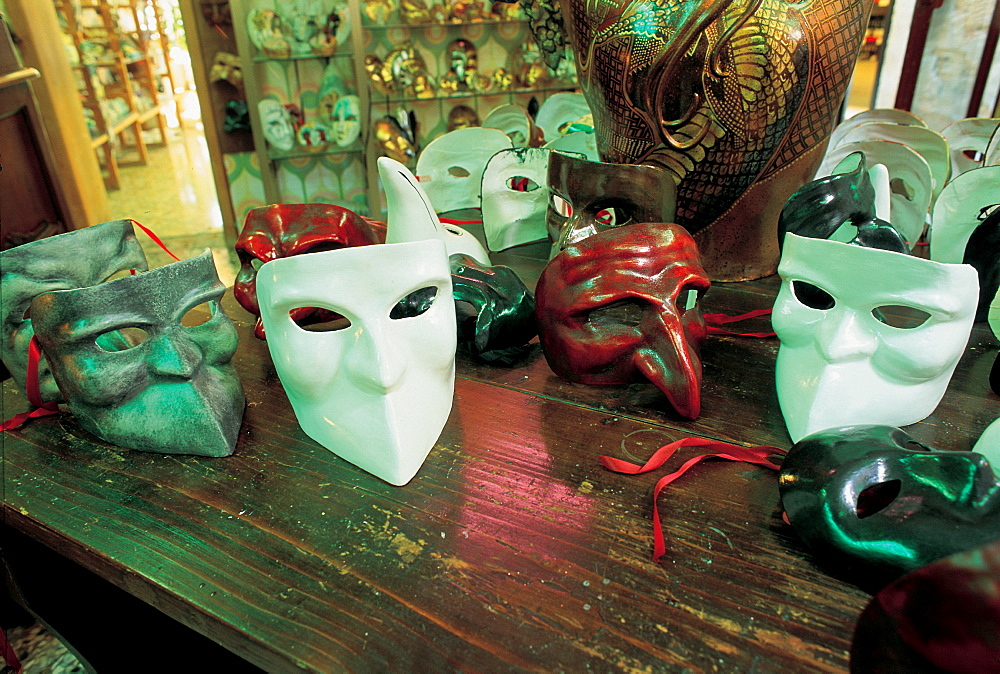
133 373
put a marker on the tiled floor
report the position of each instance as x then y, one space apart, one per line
174 196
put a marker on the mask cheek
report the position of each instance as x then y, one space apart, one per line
217 339
918 355
796 326
103 380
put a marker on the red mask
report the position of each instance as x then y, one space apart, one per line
283 230
622 306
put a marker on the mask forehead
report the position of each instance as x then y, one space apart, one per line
450 168
515 197
649 266
871 496
174 390
635 193
56 263
378 391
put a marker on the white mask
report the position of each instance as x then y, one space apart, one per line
379 391
515 197
579 142
450 168
964 204
558 110
513 120
838 364
277 124
968 135
346 126
412 216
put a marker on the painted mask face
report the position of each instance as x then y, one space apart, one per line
133 373
277 124
515 197
622 306
393 141
874 499
376 392
283 230
462 117
55 263
450 168
227 69
591 197
346 126
826 207
867 336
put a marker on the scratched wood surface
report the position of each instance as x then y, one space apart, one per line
511 548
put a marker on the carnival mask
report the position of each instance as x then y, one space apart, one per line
393 142
591 197
56 263
515 197
843 200
867 336
377 388
559 110
277 124
450 168
875 501
967 142
283 230
346 125
966 202
133 373
514 121
462 117
622 306
227 69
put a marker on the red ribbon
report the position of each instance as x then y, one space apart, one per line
7 651
453 221
31 392
155 239
712 320
724 450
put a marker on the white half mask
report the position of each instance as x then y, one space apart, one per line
515 197
839 364
513 120
558 110
963 205
888 115
376 392
412 216
909 179
928 143
988 443
992 157
451 166
277 124
968 135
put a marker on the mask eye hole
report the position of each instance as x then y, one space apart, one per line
458 172
897 186
812 296
687 299
521 184
987 211
605 217
414 304
877 498
973 155
121 339
561 206
900 316
199 314
313 319
626 312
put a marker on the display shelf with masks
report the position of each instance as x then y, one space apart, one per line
118 49
304 104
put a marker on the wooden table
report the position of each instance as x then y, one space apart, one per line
511 548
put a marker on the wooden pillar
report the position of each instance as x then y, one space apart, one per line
915 51
35 24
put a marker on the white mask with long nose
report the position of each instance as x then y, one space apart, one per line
868 336
376 385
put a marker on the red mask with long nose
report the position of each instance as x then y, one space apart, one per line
622 306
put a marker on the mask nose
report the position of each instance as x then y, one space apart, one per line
842 336
375 363
173 355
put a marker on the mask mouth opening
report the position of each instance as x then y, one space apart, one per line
876 498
